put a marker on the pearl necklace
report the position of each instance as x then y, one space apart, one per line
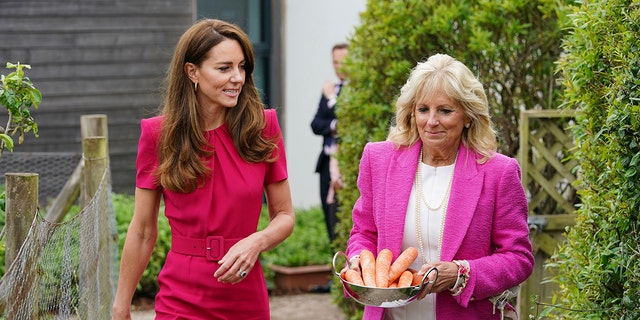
419 196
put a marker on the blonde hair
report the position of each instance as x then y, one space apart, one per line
183 144
441 72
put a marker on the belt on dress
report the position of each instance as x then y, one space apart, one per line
211 247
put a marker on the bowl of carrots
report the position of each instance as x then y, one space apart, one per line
383 282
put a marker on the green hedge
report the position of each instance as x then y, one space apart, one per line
598 269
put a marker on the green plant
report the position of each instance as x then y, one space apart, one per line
598 268
17 95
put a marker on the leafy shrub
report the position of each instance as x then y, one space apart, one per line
18 95
598 268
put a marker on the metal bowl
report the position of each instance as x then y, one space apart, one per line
383 297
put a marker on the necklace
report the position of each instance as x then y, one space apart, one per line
424 200
418 197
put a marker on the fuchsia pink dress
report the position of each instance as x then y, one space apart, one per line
226 209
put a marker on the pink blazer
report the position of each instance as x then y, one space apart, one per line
486 222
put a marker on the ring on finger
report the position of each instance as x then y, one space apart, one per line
243 274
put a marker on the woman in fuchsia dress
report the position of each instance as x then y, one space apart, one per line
210 156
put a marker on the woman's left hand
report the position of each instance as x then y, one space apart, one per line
447 276
238 261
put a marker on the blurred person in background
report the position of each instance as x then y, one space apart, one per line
325 124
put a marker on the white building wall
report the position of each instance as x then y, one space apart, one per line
310 29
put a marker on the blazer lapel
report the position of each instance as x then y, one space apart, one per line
465 193
400 176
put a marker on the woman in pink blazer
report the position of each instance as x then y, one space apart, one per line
437 184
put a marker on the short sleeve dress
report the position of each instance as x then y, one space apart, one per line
228 206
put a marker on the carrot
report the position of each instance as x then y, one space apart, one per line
353 277
393 285
368 268
383 263
405 279
404 261
417 279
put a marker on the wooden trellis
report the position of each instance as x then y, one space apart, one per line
548 176
544 146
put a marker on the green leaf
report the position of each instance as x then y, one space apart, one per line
17 95
7 142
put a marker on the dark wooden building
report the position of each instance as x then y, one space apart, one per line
93 57
99 57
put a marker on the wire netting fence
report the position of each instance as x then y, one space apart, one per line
61 269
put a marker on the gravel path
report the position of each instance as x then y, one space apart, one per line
305 306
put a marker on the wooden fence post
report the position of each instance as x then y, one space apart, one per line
90 126
94 125
94 267
95 158
21 209
95 135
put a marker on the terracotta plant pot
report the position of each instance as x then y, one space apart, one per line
300 279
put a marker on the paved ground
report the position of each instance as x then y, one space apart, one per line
304 306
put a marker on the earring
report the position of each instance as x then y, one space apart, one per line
195 86
467 125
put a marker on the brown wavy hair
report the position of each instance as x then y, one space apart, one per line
183 146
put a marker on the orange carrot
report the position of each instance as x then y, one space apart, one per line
393 285
383 263
417 279
404 261
405 279
353 277
368 267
